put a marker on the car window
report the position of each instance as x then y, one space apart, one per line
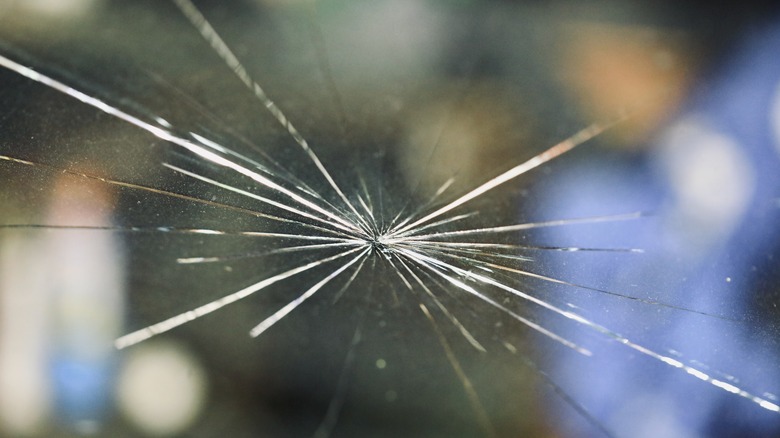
384 218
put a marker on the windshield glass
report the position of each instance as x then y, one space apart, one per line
385 218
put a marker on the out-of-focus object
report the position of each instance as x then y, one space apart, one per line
713 172
161 389
63 305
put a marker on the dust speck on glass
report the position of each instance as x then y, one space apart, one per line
388 218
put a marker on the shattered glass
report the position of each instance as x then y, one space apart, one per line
386 218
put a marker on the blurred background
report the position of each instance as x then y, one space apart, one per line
409 104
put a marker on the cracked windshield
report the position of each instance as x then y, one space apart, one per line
384 218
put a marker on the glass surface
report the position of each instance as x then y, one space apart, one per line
388 218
